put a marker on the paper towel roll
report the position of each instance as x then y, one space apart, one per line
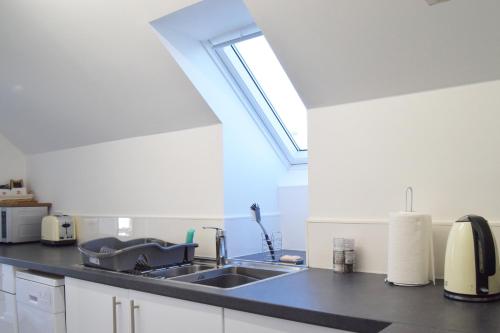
410 249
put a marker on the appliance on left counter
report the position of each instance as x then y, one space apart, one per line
58 230
21 224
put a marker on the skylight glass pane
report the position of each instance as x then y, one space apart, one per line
273 81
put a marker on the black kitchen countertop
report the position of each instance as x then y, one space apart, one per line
358 302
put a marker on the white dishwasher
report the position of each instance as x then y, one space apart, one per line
8 312
40 303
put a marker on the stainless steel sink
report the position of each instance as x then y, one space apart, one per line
233 276
204 273
167 273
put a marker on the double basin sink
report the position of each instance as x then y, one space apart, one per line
227 277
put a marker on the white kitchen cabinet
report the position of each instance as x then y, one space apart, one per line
8 313
161 314
243 322
8 278
89 308
8 307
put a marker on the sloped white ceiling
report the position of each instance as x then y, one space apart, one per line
338 51
78 72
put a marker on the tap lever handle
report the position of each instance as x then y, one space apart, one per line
218 231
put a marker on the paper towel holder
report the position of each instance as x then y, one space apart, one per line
409 190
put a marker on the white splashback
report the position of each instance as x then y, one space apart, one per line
171 229
244 235
371 242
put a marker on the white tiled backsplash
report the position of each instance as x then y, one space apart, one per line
371 242
171 229
244 235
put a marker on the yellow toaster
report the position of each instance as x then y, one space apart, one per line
58 230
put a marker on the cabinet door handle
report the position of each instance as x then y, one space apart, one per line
115 303
133 307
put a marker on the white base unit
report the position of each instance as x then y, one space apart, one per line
157 313
243 322
97 308
40 303
8 308
8 313
8 278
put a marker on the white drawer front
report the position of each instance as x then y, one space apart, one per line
40 296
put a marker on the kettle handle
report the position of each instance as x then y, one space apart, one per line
485 251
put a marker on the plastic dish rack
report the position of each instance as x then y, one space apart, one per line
113 254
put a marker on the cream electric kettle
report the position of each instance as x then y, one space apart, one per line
471 270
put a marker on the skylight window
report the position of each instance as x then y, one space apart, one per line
259 74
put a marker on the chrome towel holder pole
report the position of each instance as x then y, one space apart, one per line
409 190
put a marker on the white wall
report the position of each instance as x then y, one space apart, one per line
252 168
293 203
176 175
444 143
12 161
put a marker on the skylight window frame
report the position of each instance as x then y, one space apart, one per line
260 104
266 98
